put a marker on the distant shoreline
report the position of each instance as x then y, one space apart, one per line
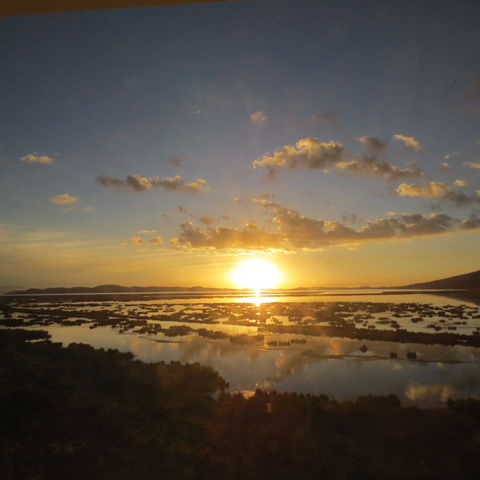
237 292
465 282
458 294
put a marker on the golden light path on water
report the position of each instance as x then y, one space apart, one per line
257 298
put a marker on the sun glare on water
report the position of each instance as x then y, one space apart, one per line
257 274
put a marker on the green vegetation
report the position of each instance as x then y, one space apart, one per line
79 413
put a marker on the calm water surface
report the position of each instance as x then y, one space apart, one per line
341 367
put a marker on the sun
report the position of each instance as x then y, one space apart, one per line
257 274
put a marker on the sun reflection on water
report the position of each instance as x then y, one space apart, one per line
256 298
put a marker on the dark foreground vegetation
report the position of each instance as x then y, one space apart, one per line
82 413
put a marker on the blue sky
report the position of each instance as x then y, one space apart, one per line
161 92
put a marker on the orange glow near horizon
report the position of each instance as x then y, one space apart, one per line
256 274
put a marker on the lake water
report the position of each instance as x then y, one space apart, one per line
262 355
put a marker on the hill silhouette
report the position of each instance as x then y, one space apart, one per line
107 289
467 281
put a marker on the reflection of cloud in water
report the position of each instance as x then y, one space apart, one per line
416 391
463 383
307 368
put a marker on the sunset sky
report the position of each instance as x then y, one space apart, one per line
160 146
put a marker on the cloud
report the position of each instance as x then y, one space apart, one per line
432 190
471 223
183 210
142 241
209 220
472 164
304 232
64 199
436 190
158 240
248 237
177 161
373 144
448 156
290 231
312 153
445 166
137 240
145 231
36 158
417 391
142 184
460 183
372 166
306 153
258 119
409 143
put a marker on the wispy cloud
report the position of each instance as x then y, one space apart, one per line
178 160
64 199
138 183
37 158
